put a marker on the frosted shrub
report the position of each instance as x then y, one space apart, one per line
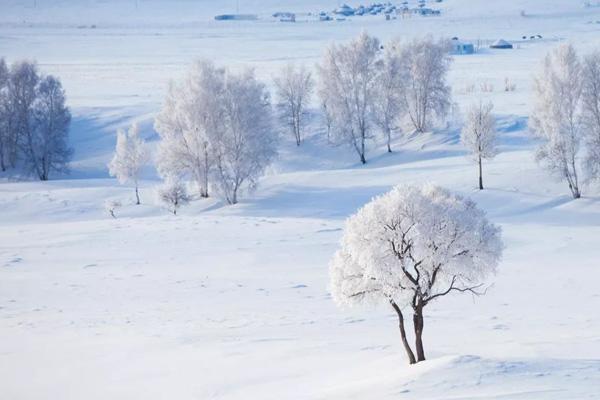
509 86
486 87
173 194
111 206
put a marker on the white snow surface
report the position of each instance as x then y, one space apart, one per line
231 302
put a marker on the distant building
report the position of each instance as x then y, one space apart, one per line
285 16
345 10
236 17
501 44
459 47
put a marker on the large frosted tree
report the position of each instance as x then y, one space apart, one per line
555 119
130 157
411 247
478 135
348 85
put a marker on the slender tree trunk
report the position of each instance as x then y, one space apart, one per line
362 148
480 175
137 195
389 139
418 325
409 352
204 186
3 166
297 129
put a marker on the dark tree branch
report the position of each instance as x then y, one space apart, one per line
451 288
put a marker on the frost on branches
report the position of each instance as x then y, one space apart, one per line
479 135
410 247
129 158
556 116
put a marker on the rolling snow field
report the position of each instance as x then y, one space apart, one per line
232 302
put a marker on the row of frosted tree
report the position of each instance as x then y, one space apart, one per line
217 127
34 121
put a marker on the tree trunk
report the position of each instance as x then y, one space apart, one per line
137 195
480 175
409 352
362 149
204 186
418 324
389 139
297 130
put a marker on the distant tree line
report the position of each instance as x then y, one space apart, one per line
34 121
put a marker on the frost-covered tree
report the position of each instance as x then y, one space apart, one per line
247 142
479 135
47 143
295 87
130 157
556 115
388 102
348 81
5 115
34 120
591 114
173 194
22 92
410 247
426 92
188 123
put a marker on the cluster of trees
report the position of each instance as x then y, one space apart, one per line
34 121
565 119
567 115
216 129
216 126
366 89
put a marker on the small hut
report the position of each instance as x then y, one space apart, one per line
501 44
460 47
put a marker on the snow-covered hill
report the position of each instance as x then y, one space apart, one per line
231 302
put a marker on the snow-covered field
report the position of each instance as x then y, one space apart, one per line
231 302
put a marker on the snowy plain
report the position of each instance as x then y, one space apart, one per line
231 302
